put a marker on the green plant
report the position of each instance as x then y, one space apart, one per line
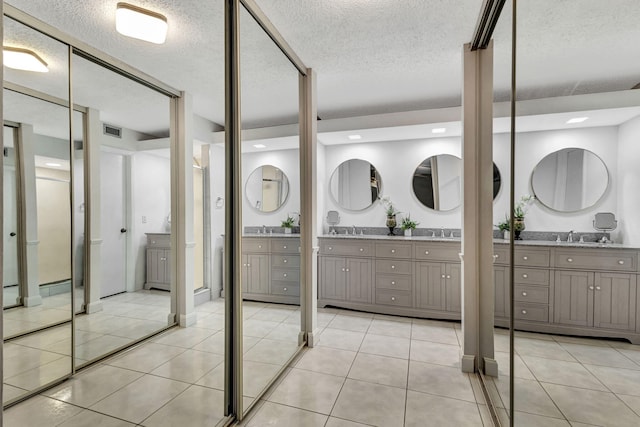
503 225
522 206
287 223
388 206
408 224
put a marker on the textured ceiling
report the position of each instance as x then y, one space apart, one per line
371 56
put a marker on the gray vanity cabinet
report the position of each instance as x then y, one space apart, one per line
501 303
346 279
430 286
255 273
158 261
333 279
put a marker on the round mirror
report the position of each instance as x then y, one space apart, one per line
267 188
570 180
355 184
436 182
497 181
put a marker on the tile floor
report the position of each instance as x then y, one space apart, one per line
367 370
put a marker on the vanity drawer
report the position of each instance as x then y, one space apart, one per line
604 259
532 257
533 294
396 298
288 261
156 240
393 282
532 312
255 245
285 246
284 288
438 252
393 266
394 250
531 276
285 275
336 247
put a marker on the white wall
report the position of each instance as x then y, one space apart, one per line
629 182
217 217
531 147
151 186
289 162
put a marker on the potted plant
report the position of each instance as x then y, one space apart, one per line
408 225
503 226
391 214
287 224
519 213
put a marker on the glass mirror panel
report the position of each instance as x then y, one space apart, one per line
127 128
570 180
437 182
271 171
355 184
36 217
267 188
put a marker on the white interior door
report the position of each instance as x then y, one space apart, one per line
113 222
10 225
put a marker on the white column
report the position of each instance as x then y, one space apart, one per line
93 209
477 212
182 242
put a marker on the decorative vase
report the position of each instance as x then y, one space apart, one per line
287 230
407 232
505 235
518 226
391 223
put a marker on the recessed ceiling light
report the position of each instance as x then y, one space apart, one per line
259 145
23 59
139 23
576 120
438 130
53 165
354 137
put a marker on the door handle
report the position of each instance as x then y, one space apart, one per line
12 234
123 230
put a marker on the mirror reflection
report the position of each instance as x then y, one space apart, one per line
437 182
569 180
267 188
355 184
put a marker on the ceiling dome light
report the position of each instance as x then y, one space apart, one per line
139 23
23 59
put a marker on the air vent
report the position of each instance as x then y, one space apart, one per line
112 131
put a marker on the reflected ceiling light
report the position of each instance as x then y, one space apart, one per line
354 137
259 145
438 130
576 120
53 165
23 59
139 23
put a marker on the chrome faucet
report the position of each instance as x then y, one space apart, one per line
433 233
570 237
353 230
441 231
264 229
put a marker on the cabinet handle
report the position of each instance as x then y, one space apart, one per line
426 252
393 298
330 248
393 267
524 294
347 269
443 276
284 289
525 257
259 246
569 259
448 276
496 256
590 288
393 251
597 288
525 275
284 275
248 265
284 260
343 269
393 282
524 311
284 247
621 262
361 249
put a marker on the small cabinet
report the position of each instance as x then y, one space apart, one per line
600 300
346 279
501 280
438 286
255 273
158 271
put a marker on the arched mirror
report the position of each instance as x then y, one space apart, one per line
570 180
437 182
355 184
267 188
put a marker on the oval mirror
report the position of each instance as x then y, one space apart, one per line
570 180
355 184
437 182
267 188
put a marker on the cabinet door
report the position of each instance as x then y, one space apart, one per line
333 276
359 280
614 303
430 285
166 259
453 285
258 274
245 273
573 298
501 291
155 265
